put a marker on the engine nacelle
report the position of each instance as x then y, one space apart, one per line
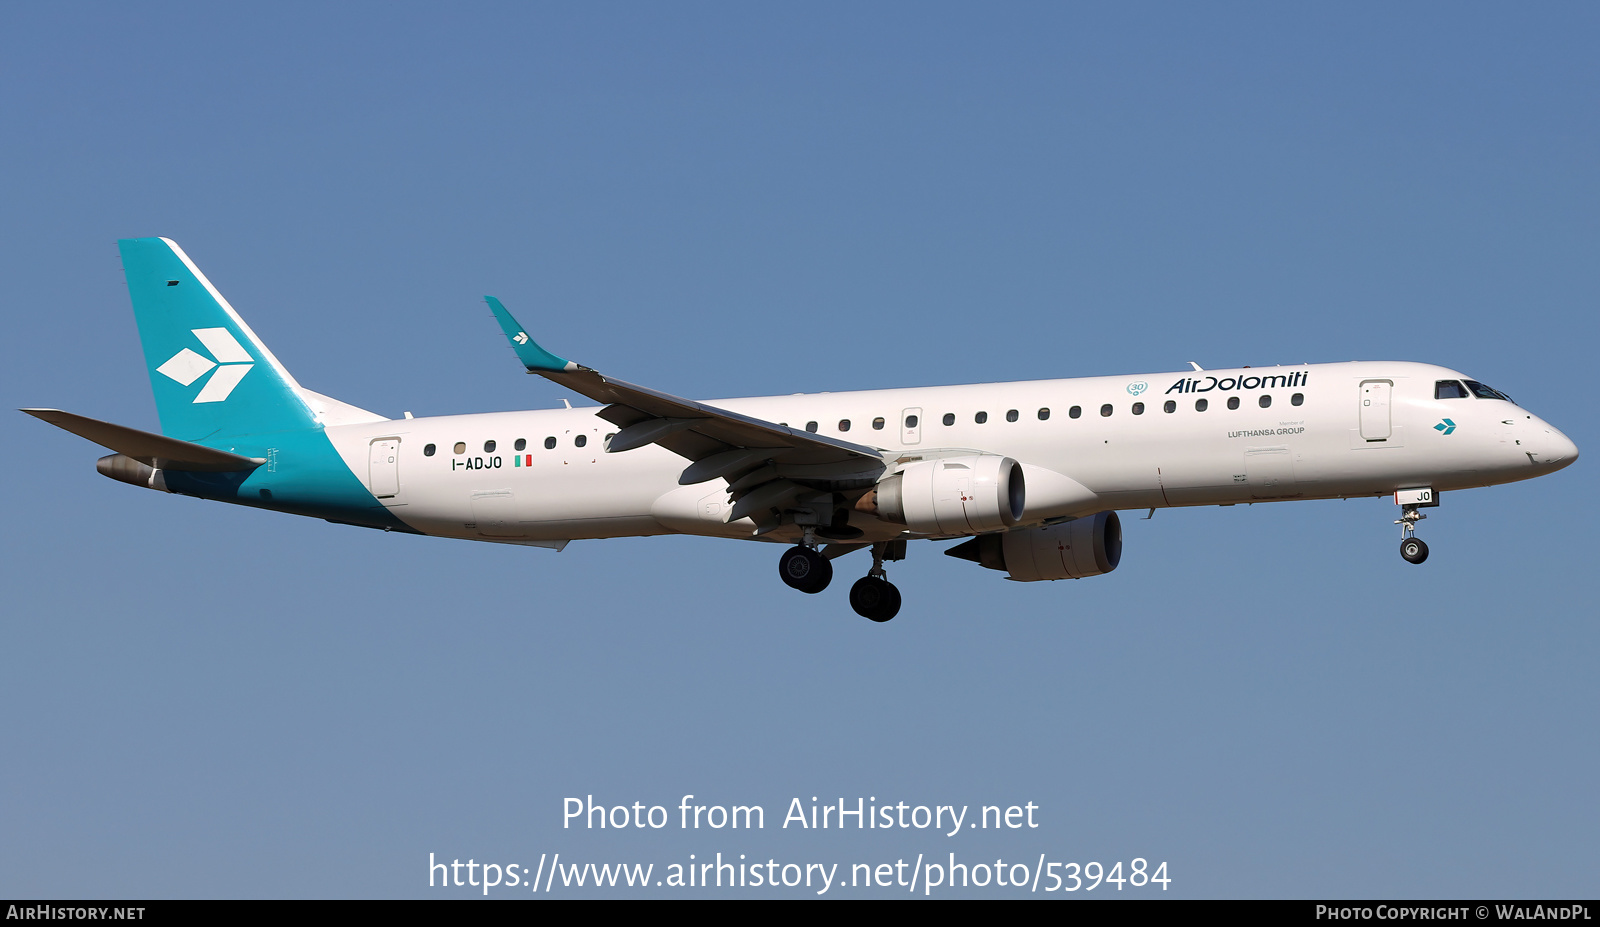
953 495
1082 547
127 470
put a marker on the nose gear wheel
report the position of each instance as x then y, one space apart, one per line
1412 548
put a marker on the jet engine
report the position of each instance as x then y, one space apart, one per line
951 495
1082 547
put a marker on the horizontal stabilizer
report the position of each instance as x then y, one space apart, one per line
157 451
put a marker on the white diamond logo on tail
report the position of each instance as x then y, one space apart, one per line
222 382
223 346
186 366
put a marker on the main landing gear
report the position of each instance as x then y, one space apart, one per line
804 569
872 596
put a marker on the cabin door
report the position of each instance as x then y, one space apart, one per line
1375 424
383 468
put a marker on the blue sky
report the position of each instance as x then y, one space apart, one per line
721 200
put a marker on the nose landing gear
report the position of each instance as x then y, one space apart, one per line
1412 549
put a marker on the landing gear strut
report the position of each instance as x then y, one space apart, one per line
873 596
1412 548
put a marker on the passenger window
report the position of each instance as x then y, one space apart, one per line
1011 415
1169 406
1075 411
1138 408
877 423
428 451
1105 410
844 424
1297 399
461 447
1265 401
488 447
1233 402
911 421
1200 405
811 427
549 443
949 418
981 417
1044 415
1449 389
580 440
522 444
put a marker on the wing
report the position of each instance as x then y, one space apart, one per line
769 467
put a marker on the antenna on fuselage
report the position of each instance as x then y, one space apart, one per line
1197 367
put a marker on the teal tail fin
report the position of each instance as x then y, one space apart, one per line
212 377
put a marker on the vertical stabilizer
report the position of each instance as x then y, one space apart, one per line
212 377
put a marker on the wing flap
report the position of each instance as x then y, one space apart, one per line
727 464
645 432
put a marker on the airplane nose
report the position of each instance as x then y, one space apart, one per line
1559 449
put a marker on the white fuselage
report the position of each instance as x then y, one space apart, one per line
1358 429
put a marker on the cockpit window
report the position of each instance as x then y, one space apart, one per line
1449 389
1486 392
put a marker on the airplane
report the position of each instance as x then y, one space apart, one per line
1028 475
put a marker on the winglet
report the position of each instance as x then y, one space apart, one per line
528 351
